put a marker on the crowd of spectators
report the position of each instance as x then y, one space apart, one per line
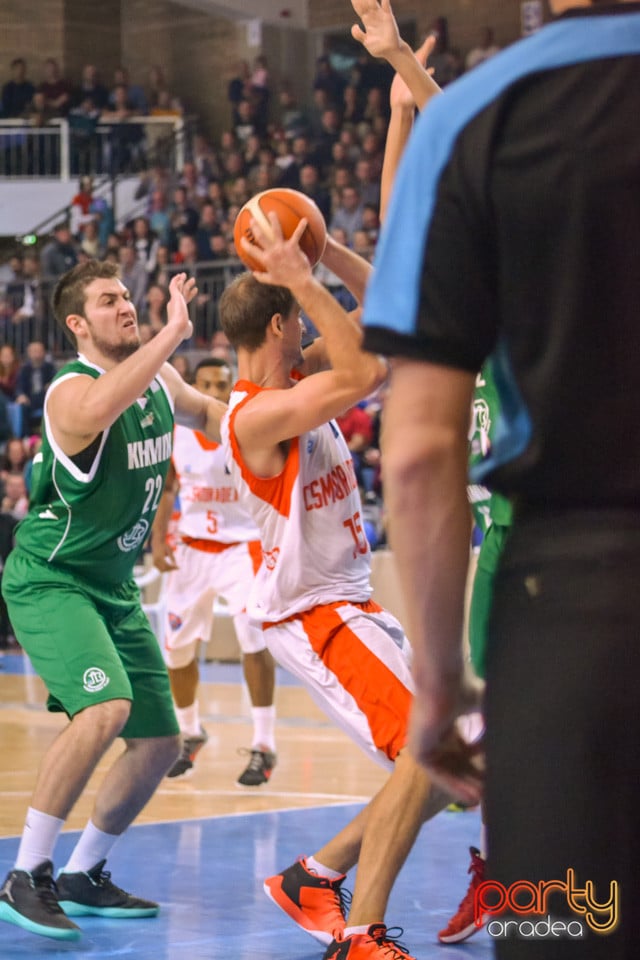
330 147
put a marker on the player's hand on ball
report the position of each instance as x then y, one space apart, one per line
282 261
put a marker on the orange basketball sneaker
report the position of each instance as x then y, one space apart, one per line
375 944
315 903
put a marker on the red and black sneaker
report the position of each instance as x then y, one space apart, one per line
462 925
318 905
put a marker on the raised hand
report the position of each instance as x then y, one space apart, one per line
182 290
380 37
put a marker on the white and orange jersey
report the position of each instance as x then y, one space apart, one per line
209 502
314 550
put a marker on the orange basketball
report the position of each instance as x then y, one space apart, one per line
290 207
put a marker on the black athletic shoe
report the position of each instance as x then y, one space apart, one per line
258 770
93 894
29 900
190 748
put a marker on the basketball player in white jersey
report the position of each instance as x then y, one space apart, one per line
294 472
217 554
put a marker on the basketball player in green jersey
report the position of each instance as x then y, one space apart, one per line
492 516
75 608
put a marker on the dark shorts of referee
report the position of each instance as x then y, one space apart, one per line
563 736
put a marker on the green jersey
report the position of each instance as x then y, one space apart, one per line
90 514
487 507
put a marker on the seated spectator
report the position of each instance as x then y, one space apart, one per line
159 216
183 218
220 247
18 92
38 114
55 90
145 244
154 311
311 186
126 141
15 501
442 61
368 183
133 275
208 227
80 212
168 105
485 49
135 95
357 429
25 295
59 254
294 119
249 121
194 183
13 459
9 366
348 215
90 89
83 122
328 79
34 376
238 87
90 243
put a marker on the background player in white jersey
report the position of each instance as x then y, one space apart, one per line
217 554
295 474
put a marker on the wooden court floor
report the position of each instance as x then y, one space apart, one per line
202 846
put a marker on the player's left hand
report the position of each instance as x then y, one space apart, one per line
182 290
380 37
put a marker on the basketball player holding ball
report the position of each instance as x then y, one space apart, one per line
294 474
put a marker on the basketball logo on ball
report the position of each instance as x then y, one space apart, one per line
290 206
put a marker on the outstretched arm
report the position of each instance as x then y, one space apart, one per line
82 407
381 38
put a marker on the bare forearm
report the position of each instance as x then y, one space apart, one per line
429 534
400 125
422 85
341 333
353 270
108 396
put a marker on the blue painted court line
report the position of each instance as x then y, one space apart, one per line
207 875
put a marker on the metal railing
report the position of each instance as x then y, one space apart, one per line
74 146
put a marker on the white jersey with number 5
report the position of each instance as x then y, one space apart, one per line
209 503
314 547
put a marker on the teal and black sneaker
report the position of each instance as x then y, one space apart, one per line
28 899
93 894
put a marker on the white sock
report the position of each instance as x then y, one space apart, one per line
39 836
93 846
350 931
313 866
264 722
189 719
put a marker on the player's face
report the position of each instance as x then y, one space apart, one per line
214 382
111 319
